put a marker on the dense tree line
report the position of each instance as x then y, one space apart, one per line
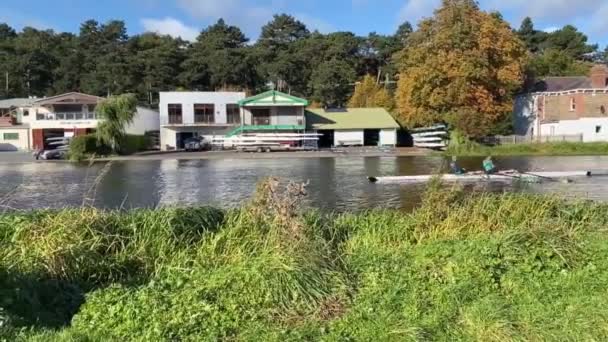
462 65
102 59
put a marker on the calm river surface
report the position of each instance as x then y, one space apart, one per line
335 183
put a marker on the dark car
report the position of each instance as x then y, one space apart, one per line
196 144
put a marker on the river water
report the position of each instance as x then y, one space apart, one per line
335 183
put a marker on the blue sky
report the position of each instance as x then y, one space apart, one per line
186 18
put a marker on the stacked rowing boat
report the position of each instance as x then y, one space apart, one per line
479 176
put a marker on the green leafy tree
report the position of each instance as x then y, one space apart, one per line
331 83
219 59
116 112
277 52
154 61
105 51
69 71
533 39
554 62
35 62
570 41
8 60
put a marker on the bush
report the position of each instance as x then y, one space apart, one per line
134 143
81 147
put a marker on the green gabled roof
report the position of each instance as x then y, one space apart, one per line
273 98
351 118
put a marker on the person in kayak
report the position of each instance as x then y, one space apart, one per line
488 166
455 168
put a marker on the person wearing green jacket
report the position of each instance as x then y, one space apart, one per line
488 166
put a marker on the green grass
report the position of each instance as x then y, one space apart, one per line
530 149
485 267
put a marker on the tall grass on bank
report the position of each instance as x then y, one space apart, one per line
461 267
462 146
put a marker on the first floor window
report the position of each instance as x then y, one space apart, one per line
598 129
175 113
204 113
11 136
233 114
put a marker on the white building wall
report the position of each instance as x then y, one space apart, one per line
585 126
348 137
188 99
388 137
21 144
146 120
168 139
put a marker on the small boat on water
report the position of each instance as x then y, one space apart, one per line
530 177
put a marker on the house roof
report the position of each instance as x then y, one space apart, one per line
350 118
17 102
273 98
553 84
68 98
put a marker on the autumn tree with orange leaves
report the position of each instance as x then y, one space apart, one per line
461 67
368 93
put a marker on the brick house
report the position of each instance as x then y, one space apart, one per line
566 106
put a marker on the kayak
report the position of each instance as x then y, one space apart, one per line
480 176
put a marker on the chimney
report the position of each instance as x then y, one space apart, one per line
599 76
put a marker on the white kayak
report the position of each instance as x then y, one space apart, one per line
479 176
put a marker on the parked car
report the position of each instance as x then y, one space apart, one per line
196 144
59 153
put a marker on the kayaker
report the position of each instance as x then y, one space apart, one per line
455 168
488 166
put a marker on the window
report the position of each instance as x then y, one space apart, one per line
60 116
91 112
572 104
204 113
598 129
11 136
539 104
26 112
175 113
603 109
40 116
233 114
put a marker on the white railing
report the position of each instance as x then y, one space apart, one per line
66 116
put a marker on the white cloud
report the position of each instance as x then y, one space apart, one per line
20 20
236 12
313 23
545 9
598 23
551 29
170 26
247 16
414 10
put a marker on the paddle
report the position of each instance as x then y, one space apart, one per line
566 180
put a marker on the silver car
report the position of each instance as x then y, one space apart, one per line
196 144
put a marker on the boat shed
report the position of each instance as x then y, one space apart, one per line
353 126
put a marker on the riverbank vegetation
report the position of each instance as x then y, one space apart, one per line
461 146
486 267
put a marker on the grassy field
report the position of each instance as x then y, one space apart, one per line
507 267
531 149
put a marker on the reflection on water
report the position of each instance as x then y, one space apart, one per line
335 183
